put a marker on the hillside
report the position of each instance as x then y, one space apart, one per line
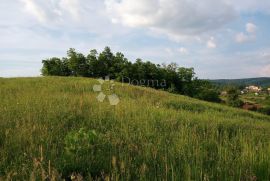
52 127
261 81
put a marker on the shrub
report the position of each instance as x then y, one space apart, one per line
81 141
82 148
233 97
208 95
264 110
235 103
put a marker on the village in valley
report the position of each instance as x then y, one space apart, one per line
255 97
256 90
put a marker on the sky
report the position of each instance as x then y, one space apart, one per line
219 38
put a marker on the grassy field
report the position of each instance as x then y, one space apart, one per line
54 127
261 99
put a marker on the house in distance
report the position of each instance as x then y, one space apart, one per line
253 88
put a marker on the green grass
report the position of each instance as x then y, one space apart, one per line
53 127
261 99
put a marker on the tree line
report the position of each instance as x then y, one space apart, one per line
175 79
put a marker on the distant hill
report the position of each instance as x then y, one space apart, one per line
260 81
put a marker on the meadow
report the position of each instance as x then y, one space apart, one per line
263 99
53 128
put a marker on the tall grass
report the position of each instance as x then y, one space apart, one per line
53 128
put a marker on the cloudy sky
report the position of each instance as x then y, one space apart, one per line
219 38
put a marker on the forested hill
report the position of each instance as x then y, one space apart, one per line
260 81
171 77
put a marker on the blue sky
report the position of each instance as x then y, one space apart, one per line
220 39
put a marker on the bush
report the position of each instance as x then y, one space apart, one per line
264 110
233 97
208 95
81 141
82 148
235 103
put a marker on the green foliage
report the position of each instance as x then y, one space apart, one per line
233 97
82 150
149 135
77 63
81 141
267 99
186 74
264 110
235 103
55 66
202 89
210 95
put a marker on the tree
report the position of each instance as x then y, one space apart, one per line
105 60
93 63
171 77
233 97
77 63
55 66
186 76
118 64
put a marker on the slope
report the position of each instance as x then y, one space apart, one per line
54 127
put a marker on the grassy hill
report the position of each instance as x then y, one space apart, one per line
261 81
54 127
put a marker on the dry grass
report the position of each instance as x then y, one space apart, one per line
149 135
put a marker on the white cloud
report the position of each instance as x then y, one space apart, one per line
242 38
183 51
211 43
176 51
72 7
250 34
251 28
54 10
177 19
247 6
35 10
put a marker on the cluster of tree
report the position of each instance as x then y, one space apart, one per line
177 79
233 98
